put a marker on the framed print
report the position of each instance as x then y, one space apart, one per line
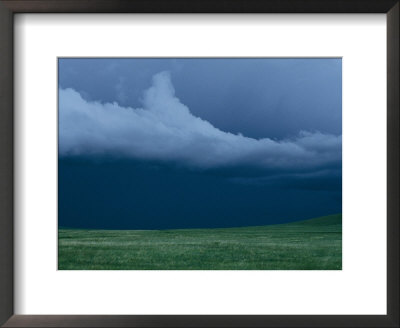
164 166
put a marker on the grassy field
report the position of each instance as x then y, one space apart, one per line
314 244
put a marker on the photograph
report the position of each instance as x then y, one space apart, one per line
200 163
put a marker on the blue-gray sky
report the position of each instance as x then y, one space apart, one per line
170 143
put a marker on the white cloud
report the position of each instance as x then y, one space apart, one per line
165 130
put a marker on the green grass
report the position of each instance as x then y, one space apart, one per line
314 244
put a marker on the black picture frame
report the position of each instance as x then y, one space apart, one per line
10 7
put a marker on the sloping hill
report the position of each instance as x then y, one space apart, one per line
331 223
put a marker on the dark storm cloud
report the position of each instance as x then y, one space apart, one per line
233 142
325 179
258 97
165 130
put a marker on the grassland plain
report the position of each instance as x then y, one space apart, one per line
314 244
